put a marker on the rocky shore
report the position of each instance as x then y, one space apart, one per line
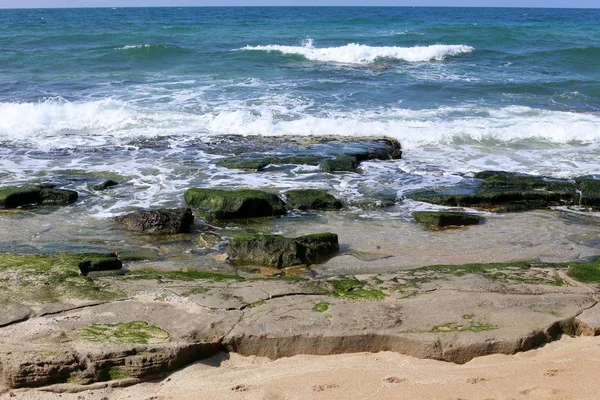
278 273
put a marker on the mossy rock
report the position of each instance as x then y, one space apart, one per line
105 185
590 191
497 200
163 221
505 191
280 252
512 180
311 199
340 164
234 204
13 197
439 219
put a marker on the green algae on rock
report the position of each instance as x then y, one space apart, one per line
340 164
311 199
504 191
439 219
280 252
13 197
234 204
135 332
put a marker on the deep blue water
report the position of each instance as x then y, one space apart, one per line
463 89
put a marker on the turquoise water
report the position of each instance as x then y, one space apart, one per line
135 91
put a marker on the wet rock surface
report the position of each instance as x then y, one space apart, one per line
280 252
311 199
163 221
504 191
13 197
440 219
234 204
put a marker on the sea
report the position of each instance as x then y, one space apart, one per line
138 93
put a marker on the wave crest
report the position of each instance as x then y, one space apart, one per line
354 53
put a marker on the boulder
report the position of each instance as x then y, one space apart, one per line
234 204
13 197
105 185
340 164
280 252
163 221
439 219
311 199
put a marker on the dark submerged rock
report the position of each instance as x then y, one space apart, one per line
439 219
164 221
311 199
234 204
280 252
105 185
13 197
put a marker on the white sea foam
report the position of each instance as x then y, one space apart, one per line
354 53
60 123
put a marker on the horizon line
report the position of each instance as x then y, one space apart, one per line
294 6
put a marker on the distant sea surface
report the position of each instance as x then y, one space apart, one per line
134 90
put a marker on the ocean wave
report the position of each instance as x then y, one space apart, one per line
59 123
354 53
151 50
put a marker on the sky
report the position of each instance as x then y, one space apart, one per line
179 3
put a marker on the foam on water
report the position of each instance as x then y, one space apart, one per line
354 53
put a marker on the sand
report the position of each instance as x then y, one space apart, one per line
566 369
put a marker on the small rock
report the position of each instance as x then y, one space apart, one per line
221 257
208 239
105 185
164 221
439 219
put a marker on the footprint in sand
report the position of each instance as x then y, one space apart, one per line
473 381
322 388
553 372
394 379
240 388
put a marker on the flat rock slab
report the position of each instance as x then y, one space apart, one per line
13 312
167 324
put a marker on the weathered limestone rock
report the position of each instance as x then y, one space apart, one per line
234 204
311 199
439 219
163 221
278 251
